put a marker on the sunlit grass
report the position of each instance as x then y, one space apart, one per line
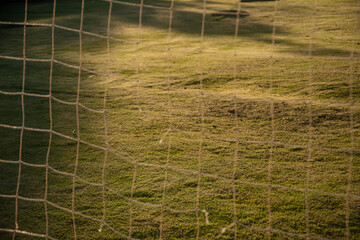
151 90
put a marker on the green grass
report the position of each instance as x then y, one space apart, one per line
140 78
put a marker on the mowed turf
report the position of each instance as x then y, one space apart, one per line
202 143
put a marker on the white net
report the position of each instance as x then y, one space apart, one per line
180 119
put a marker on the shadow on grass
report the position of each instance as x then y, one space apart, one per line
189 23
245 1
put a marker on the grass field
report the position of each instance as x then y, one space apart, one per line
202 143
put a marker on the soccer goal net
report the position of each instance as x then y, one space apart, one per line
179 119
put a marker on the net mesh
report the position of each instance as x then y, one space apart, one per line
229 178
